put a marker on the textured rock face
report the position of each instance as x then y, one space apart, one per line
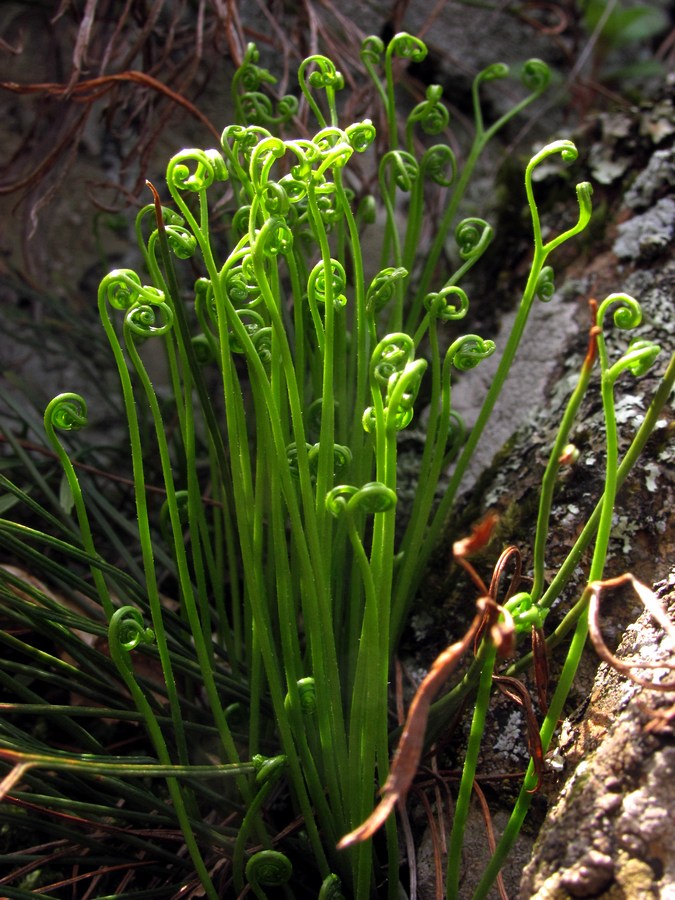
610 834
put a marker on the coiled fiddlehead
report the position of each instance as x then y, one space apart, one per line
263 156
640 356
252 107
468 351
256 108
149 212
252 321
400 168
473 237
262 340
292 458
331 889
322 287
405 46
274 238
627 314
180 240
271 200
240 284
241 221
342 457
439 308
374 497
401 393
67 412
390 356
238 143
268 868
383 287
295 188
491 73
525 613
641 353
431 115
249 75
569 153
392 365
324 77
141 320
535 76
360 135
195 170
268 767
439 165
328 204
545 288
122 288
306 693
371 52
126 631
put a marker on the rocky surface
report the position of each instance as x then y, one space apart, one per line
610 833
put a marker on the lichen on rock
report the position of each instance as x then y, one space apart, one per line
610 834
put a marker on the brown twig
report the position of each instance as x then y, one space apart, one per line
652 605
517 692
492 844
93 88
410 746
540 657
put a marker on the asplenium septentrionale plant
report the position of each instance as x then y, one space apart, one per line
290 374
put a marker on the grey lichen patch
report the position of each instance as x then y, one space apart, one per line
648 235
609 835
510 739
658 122
610 158
657 178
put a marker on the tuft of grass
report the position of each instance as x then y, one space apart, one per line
206 668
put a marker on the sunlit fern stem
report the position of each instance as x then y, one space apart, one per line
486 659
178 797
550 474
80 507
574 653
414 564
200 634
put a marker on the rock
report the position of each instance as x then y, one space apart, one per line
653 181
647 236
610 834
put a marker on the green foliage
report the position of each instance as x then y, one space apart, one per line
625 25
622 28
251 618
